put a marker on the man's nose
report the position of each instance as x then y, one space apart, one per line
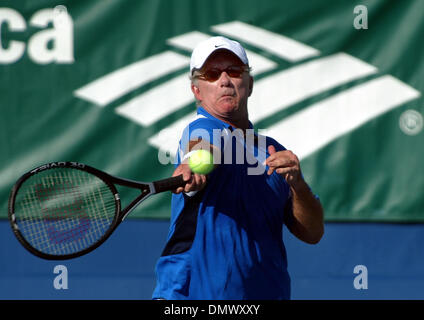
224 79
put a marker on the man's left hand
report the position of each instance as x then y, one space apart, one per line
286 164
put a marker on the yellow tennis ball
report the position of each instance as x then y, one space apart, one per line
201 161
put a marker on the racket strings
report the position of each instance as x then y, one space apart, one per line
64 210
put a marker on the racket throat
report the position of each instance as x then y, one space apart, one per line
143 196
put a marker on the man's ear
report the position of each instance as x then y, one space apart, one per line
250 85
196 91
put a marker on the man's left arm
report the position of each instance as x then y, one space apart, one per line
307 221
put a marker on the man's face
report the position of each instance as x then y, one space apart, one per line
226 97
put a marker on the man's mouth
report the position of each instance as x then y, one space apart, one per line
227 95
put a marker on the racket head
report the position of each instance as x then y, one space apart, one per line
63 210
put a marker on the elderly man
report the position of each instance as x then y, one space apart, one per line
225 237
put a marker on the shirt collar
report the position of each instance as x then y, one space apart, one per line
203 112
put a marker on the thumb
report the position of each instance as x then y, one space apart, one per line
184 170
271 149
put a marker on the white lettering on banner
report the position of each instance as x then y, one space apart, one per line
60 36
15 23
361 20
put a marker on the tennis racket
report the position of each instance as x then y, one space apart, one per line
63 210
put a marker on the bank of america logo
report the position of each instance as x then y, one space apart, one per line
308 74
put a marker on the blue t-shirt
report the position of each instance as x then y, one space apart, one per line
225 241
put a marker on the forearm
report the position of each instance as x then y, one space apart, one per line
308 216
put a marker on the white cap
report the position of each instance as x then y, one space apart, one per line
205 48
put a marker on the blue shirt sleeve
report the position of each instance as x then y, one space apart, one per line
205 129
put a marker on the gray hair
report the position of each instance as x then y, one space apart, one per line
194 81
193 77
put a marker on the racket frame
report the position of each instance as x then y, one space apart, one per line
147 189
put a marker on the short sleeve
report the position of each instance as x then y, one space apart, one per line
204 129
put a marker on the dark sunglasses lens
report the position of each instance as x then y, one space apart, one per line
212 74
234 72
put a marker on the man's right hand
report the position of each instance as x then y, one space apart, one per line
195 181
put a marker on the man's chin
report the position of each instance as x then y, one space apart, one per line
229 109
228 103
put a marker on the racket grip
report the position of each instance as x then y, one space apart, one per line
169 184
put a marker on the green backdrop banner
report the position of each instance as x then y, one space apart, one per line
106 83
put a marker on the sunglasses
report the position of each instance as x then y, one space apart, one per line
213 74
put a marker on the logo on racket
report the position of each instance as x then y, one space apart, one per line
55 212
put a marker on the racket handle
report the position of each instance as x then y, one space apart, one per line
169 184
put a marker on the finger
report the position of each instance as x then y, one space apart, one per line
270 170
187 176
200 181
204 179
176 172
278 163
281 158
269 160
284 171
271 149
197 180
189 185
178 190
185 171
188 179
195 183
290 175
